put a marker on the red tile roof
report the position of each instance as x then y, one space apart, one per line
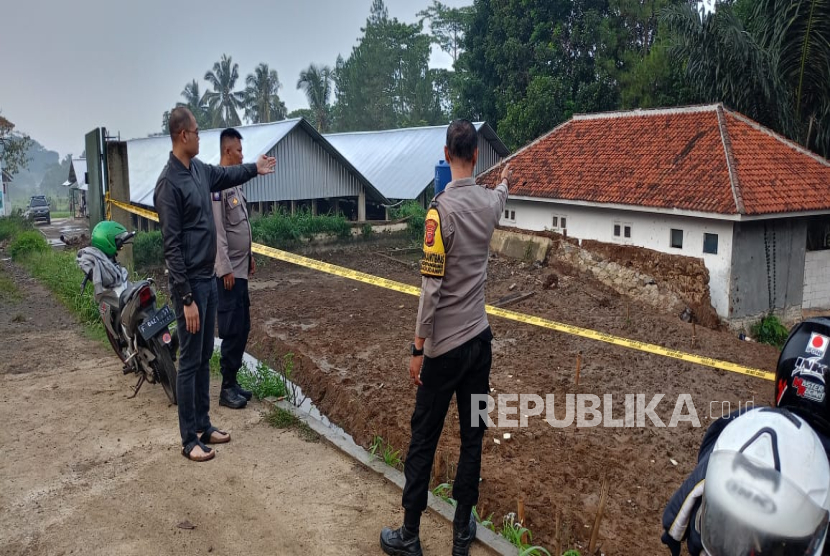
702 158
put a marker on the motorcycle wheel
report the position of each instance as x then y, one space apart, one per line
165 368
114 343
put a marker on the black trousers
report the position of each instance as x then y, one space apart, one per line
463 371
195 350
234 318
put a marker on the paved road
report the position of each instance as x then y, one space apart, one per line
67 227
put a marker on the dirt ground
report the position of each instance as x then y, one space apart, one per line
352 344
84 470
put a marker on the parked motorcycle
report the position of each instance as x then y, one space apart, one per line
137 330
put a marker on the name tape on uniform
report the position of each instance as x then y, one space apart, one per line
495 311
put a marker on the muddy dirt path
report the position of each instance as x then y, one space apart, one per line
84 470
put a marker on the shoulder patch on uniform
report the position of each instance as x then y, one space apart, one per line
217 195
435 257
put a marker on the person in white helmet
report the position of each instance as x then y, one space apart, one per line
762 488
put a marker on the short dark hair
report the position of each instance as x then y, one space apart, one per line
179 120
462 139
228 134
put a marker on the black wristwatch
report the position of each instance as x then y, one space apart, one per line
187 300
415 351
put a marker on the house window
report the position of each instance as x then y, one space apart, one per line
558 222
512 215
627 231
616 230
677 238
562 222
710 244
507 215
555 221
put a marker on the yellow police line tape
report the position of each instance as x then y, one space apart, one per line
504 313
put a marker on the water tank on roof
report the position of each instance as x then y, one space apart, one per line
443 176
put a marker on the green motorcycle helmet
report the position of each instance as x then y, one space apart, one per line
109 236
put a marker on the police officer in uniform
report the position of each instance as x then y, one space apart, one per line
234 263
451 353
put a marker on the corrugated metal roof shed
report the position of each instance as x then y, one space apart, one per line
401 162
308 167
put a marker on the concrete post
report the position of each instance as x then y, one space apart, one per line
314 207
361 205
293 208
119 190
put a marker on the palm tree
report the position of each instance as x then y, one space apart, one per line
769 60
223 100
262 103
316 82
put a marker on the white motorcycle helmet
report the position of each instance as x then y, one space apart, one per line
767 489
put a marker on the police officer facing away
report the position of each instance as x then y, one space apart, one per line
234 263
182 199
451 353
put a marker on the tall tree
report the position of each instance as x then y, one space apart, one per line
224 100
769 59
193 101
386 82
262 101
14 148
316 83
447 26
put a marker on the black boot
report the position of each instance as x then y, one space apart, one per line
247 394
229 397
462 538
400 542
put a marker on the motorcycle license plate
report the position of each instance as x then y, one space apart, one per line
156 323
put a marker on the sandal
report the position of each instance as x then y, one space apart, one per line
208 437
209 453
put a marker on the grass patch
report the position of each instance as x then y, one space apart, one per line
283 230
263 381
381 449
769 330
282 419
8 290
60 214
10 226
148 249
511 529
58 271
26 243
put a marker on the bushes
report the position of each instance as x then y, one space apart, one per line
769 330
416 214
148 249
280 230
26 243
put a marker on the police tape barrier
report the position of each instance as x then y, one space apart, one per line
495 311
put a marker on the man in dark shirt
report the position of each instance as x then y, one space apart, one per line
182 199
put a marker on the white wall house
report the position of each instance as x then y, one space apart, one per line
700 182
705 238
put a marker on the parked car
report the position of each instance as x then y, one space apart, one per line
38 209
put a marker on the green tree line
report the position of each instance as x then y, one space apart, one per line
526 66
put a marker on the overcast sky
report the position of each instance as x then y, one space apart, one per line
68 67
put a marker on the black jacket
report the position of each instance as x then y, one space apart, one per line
182 200
680 515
